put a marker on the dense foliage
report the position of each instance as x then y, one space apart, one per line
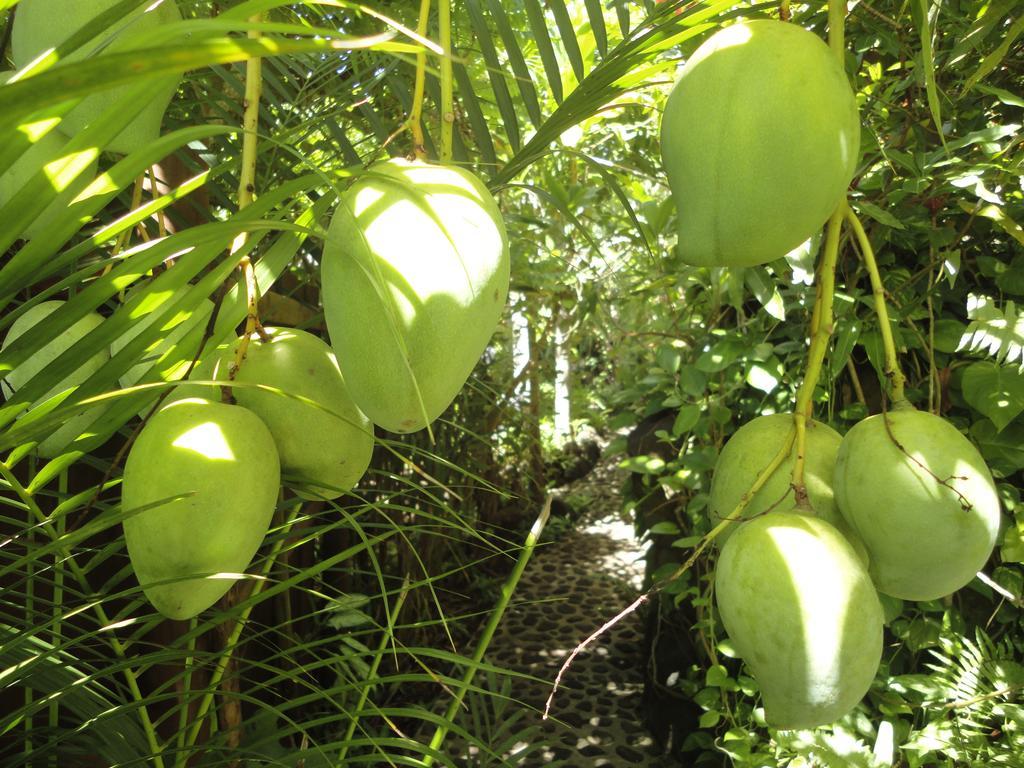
359 640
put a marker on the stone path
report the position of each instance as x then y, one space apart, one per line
569 589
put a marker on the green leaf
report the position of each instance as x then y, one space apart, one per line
516 60
1012 279
495 72
947 334
995 391
720 356
686 420
710 719
764 376
541 37
999 216
567 31
692 381
664 528
1012 548
928 65
999 332
596 15
1002 449
994 59
765 291
880 215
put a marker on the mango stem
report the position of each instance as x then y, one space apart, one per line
416 114
821 331
892 367
246 194
444 23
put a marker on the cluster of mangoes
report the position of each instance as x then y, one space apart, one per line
415 275
903 504
760 138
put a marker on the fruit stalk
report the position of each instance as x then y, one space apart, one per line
416 115
836 28
444 22
821 332
892 366
821 317
492 625
246 193
76 570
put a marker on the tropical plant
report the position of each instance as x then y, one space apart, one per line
358 624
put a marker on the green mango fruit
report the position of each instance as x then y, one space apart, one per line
926 509
46 150
40 25
760 139
751 449
52 445
206 477
415 278
328 447
802 613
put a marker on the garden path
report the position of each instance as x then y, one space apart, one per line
570 587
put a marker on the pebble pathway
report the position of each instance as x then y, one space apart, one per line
570 588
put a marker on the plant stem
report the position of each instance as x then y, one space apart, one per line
364 694
858 390
444 22
892 366
492 625
232 640
836 28
58 590
30 618
186 685
744 501
821 331
246 194
104 620
416 115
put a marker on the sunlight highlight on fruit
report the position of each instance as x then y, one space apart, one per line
205 476
920 496
759 139
415 277
207 440
799 606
